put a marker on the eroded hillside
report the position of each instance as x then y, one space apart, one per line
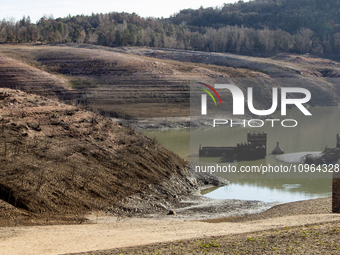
319 76
118 84
137 82
16 74
57 159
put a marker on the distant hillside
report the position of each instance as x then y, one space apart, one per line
255 27
289 15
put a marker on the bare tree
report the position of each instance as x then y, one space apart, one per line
336 42
267 39
303 40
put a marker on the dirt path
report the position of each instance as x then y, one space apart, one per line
81 238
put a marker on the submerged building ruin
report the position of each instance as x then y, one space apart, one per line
254 148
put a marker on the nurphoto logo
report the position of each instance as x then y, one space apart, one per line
239 104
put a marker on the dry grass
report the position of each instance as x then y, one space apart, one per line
309 239
58 159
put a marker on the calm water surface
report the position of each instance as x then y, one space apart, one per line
312 134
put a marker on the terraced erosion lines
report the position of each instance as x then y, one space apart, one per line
303 71
114 83
131 82
17 75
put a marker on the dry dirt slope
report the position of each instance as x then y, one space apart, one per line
147 82
113 83
58 159
15 74
319 76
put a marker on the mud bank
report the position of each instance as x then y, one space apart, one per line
194 208
168 122
189 206
157 123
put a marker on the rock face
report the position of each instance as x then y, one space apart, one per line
328 156
277 150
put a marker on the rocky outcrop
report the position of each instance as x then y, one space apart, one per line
329 156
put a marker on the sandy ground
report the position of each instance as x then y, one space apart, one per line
80 238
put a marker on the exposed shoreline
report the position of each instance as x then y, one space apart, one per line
188 206
166 123
62 239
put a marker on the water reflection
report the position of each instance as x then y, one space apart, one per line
246 191
312 134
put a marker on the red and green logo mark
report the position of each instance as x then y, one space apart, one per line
209 93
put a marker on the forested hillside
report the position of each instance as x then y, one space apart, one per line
289 15
255 27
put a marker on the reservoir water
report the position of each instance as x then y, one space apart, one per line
313 133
